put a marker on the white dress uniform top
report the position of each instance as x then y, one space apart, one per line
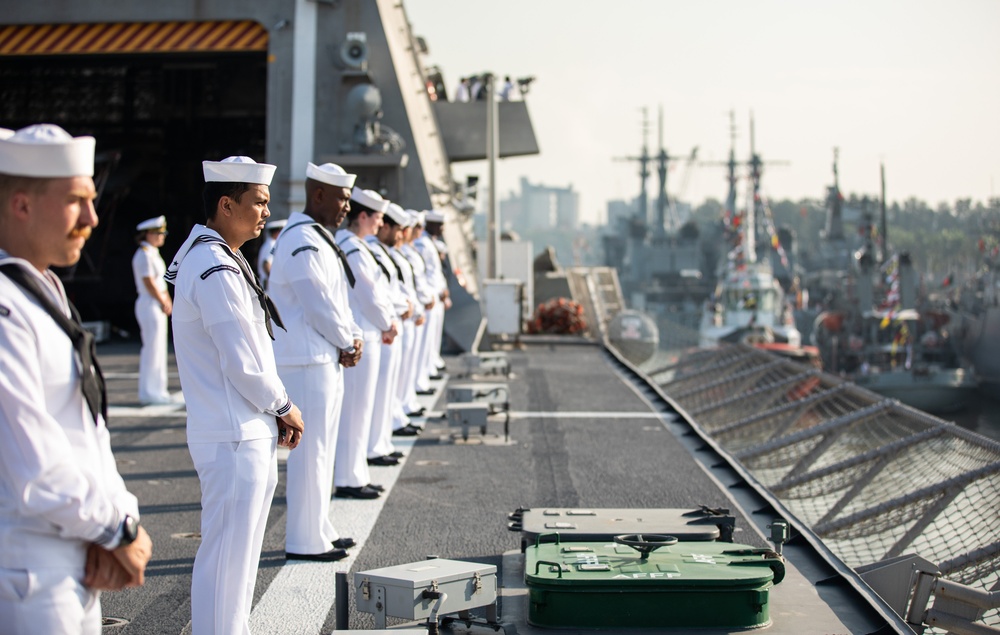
374 313
147 263
61 489
309 287
380 439
233 395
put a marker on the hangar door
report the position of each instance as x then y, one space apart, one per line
159 98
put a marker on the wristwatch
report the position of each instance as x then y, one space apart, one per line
130 530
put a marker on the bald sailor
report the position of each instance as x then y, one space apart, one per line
374 313
380 448
152 307
309 284
238 408
68 526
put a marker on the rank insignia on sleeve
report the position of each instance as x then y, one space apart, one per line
209 272
304 249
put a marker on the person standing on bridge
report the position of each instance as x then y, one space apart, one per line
309 281
152 308
238 408
68 526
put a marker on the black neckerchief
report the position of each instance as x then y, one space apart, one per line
270 311
91 378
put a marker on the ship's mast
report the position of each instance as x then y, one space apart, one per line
659 232
750 223
731 166
644 169
834 230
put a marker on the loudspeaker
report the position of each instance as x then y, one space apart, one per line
354 51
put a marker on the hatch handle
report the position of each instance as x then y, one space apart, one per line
539 539
551 564
645 543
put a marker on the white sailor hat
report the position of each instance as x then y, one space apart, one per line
422 218
412 217
152 223
238 170
370 199
434 216
396 213
45 150
5 133
331 174
275 224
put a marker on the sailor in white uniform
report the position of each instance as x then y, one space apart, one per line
264 257
402 424
375 314
309 283
426 295
152 307
427 244
238 409
386 402
68 526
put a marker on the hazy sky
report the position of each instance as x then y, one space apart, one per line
911 83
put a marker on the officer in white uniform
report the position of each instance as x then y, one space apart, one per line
237 406
151 310
309 286
374 313
264 257
402 425
68 526
386 402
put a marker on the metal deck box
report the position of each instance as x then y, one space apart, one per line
679 585
699 524
426 588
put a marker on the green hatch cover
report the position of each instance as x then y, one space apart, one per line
681 584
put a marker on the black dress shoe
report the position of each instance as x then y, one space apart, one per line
383 461
344 543
417 413
429 391
377 488
436 377
397 455
405 431
329 556
356 492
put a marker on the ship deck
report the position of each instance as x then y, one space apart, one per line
582 433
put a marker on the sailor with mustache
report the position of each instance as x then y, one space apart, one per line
68 526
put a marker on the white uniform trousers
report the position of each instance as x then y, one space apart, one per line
48 600
433 340
416 369
436 361
421 379
318 391
351 466
153 355
380 439
237 484
404 386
